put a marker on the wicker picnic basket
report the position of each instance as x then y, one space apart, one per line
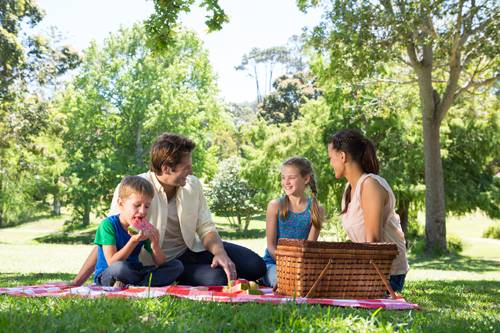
334 270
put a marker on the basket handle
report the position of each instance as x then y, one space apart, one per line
315 284
384 280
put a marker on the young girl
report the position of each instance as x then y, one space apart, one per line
118 250
294 215
368 202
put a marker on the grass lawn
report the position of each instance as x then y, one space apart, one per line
447 306
456 294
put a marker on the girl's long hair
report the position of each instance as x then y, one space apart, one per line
305 168
360 149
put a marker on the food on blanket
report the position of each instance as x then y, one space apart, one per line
137 225
243 287
253 285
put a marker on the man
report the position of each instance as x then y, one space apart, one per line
186 231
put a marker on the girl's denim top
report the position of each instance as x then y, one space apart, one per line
296 226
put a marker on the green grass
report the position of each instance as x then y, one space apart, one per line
85 236
458 293
447 306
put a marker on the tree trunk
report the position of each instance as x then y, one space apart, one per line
402 210
138 147
435 226
259 99
247 223
86 215
239 222
56 206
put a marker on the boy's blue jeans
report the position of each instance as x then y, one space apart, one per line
138 275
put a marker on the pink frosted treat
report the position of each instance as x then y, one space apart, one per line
138 225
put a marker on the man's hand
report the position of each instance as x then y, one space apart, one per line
223 260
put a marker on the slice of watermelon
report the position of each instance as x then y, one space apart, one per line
140 224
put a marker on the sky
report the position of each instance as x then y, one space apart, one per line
253 23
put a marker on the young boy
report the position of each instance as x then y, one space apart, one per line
118 249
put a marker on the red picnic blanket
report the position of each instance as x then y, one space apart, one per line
213 293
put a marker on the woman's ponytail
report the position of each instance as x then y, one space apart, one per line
369 161
360 149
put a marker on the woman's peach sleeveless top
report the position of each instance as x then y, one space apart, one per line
354 224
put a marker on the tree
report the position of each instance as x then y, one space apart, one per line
262 64
13 13
268 58
122 99
290 92
29 67
449 46
231 196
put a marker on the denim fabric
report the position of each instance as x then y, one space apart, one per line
138 275
270 279
197 270
397 282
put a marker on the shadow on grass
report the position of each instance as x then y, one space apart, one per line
455 263
28 219
458 294
237 234
68 238
26 279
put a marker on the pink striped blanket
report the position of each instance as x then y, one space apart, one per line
213 294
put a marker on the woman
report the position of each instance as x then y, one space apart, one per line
368 213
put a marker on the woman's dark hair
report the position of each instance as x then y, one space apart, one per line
360 149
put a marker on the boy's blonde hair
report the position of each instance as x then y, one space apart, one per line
135 185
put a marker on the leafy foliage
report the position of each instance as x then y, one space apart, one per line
123 98
162 25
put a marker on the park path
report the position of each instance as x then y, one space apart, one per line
27 232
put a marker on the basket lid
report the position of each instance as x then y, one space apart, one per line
305 244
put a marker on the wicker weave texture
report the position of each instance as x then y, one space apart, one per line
349 275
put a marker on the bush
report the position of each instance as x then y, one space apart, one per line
231 196
493 231
455 244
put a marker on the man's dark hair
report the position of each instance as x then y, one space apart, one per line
168 150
